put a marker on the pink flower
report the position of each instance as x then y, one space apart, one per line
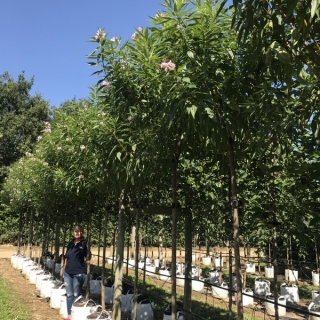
39 138
82 147
48 128
115 39
81 176
167 66
134 36
45 163
106 84
99 35
59 148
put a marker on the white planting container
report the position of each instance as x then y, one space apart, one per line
220 290
315 297
56 297
250 267
218 262
46 287
206 261
290 292
315 309
270 306
197 284
291 275
150 270
269 272
180 280
261 286
214 275
315 278
165 275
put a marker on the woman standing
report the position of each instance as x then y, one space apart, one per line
75 272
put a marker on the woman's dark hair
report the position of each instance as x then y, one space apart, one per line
77 227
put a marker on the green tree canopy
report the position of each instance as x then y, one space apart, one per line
22 118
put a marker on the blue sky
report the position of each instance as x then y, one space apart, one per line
48 39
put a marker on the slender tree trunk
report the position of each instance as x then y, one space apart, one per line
230 281
136 256
317 257
174 240
30 237
117 298
188 264
290 249
91 209
113 248
99 239
105 229
47 238
57 239
128 253
20 231
64 240
233 183
275 268
145 257
207 244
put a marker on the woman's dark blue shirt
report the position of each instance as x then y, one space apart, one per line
75 255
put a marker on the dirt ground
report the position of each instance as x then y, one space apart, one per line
41 310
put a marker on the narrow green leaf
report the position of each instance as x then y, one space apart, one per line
314 5
190 54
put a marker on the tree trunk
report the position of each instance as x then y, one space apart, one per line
105 228
230 281
136 256
145 256
89 247
275 269
117 298
57 239
188 265
174 240
20 231
233 184
30 237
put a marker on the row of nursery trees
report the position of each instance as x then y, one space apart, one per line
211 112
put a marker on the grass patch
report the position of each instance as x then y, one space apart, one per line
12 305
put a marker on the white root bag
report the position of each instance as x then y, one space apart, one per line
63 306
81 312
47 285
108 294
127 299
56 296
95 286
145 310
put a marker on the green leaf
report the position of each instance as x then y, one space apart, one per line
314 5
119 155
283 55
192 110
185 79
190 54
